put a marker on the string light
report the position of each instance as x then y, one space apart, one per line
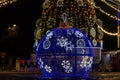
6 2
110 5
109 33
113 17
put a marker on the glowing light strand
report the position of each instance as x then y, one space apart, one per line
106 32
110 5
6 2
113 17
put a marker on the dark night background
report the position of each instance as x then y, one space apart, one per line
24 14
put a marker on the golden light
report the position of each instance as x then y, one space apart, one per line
118 37
118 30
6 2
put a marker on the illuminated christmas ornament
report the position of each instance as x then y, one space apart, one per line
93 32
64 52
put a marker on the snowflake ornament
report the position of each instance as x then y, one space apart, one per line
64 52
65 64
62 41
40 62
70 31
68 70
78 34
49 35
86 62
70 46
48 69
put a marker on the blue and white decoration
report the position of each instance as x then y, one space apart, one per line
64 52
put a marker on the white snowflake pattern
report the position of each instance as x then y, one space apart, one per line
70 46
68 70
62 41
48 69
90 61
65 64
86 62
70 31
40 62
49 35
78 34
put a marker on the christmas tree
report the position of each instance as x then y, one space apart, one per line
79 13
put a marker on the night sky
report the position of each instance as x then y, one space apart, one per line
24 14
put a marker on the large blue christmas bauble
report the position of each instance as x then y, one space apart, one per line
64 52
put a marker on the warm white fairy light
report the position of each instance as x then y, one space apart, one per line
6 2
109 33
110 5
118 37
111 16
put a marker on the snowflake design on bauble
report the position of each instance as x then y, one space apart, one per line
62 41
66 65
48 69
68 70
70 46
78 34
40 62
49 35
70 31
86 62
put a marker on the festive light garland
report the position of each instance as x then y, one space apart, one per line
109 33
110 5
115 2
111 16
6 2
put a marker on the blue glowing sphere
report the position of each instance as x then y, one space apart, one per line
64 52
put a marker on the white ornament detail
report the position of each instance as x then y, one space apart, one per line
70 46
66 65
86 62
48 69
40 62
70 31
49 35
94 42
62 41
80 43
78 34
68 70
91 21
93 32
46 44
64 17
100 36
